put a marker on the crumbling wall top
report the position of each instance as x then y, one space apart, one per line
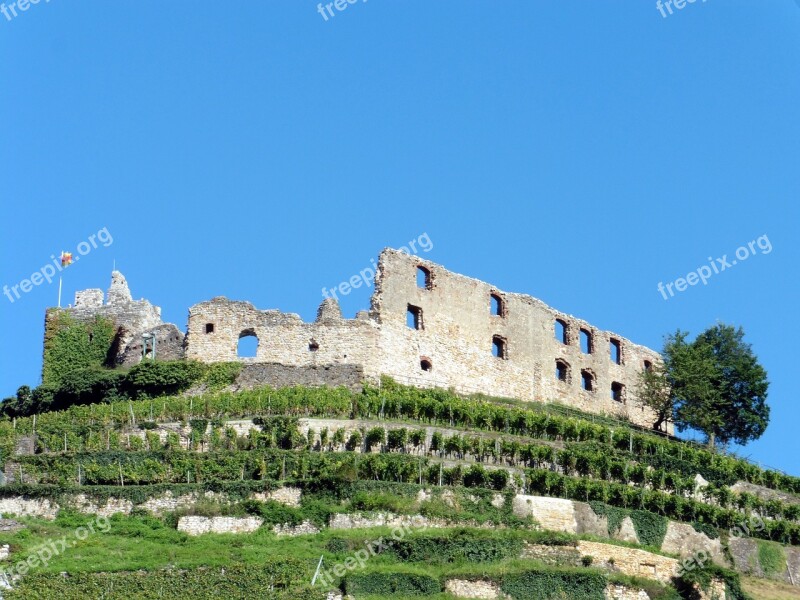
119 293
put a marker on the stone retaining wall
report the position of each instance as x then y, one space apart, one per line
201 525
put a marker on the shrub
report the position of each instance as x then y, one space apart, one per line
354 442
155 378
221 375
400 584
554 583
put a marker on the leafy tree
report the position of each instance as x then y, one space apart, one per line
718 385
654 391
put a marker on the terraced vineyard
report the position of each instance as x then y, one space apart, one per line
401 492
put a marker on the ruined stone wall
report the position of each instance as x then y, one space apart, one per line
451 348
215 328
457 337
131 317
279 375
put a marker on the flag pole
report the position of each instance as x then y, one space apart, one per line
60 281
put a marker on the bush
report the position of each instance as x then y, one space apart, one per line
221 375
401 584
554 583
354 442
463 545
155 378
276 579
85 386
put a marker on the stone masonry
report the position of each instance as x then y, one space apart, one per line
132 319
426 327
442 333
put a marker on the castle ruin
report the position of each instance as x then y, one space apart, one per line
426 327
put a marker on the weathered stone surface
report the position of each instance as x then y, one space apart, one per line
278 375
588 521
89 298
562 556
765 493
305 528
169 344
464 588
745 560
10 526
620 592
201 525
25 446
5 551
629 561
131 317
627 532
683 540
359 521
745 556
22 506
553 514
453 342
455 338
119 293
112 506
285 495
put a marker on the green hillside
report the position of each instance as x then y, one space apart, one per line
454 471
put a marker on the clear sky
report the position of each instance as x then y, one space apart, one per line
581 152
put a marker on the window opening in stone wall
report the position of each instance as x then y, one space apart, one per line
561 331
248 344
424 280
414 317
616 351
587 381
562 371
497 305
586 341
499 349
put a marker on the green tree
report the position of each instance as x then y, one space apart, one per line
718 385
654 390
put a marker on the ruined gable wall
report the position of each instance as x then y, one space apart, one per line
283 338
457 334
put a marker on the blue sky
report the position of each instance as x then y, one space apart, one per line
581 152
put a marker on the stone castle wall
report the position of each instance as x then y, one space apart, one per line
132 318
457 337
449 344
452 346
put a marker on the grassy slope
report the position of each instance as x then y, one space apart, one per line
763 589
